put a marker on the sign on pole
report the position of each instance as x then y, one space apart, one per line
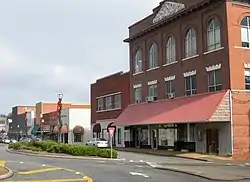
111 131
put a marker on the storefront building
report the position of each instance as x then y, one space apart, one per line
189 79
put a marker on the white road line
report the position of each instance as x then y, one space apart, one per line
138 174
102 161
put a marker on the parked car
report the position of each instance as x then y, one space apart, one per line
98 142
13 141
7 141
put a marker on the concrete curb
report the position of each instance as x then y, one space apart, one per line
199 174
61 157
166 155
8 175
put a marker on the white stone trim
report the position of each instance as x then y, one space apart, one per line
152 82
137 85
169 78
246 65
189 73
168 9
213 67
108 95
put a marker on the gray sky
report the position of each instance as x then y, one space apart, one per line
66 44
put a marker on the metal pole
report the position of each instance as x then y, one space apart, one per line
111 153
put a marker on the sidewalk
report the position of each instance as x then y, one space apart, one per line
187 155
225 173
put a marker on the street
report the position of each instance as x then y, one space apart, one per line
35 169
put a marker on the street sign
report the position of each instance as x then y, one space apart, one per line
111 131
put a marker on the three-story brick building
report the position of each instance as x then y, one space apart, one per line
189 78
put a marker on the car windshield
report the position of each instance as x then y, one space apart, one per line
101 139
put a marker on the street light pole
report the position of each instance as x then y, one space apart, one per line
41 125
26 124
59 110
17 132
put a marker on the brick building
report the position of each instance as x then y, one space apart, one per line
109 97
189 78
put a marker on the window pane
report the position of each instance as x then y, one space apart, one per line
187 83
247 87
211 78
244 35
210 37
244 21
193 79
218 77
188 92
211 89
217 35
193 51
218 87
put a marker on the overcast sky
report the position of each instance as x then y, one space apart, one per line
66 44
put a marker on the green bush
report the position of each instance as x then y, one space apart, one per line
71 149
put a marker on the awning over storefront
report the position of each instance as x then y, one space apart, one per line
64 129
196 108
97 128
78 129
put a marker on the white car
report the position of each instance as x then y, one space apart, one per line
13 141
98 142
7 141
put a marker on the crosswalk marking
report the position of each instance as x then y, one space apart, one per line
40 170
2 163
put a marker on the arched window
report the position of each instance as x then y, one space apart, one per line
170 50
138 61
213 35
245 32
190 43
153 56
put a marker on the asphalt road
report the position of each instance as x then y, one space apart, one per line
41 169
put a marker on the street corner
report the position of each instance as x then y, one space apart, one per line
5 172
35 172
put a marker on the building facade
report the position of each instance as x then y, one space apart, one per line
109 97
189 76
18 126
76 126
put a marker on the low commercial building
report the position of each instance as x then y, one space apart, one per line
109 97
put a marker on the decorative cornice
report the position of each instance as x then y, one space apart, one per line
137 86
189 73
169 78
152 82
213 67
246 65
168 9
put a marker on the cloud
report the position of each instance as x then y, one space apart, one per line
46 45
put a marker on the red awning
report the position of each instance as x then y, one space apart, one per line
196 108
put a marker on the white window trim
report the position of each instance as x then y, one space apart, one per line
189 73
191 57
150 69
169 78
167 64
153 82
213 67
240 47
137 73
106 110
108 95
215 50
137 85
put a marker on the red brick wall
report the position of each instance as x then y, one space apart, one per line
241 125
108 85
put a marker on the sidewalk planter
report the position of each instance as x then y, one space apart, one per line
70 149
